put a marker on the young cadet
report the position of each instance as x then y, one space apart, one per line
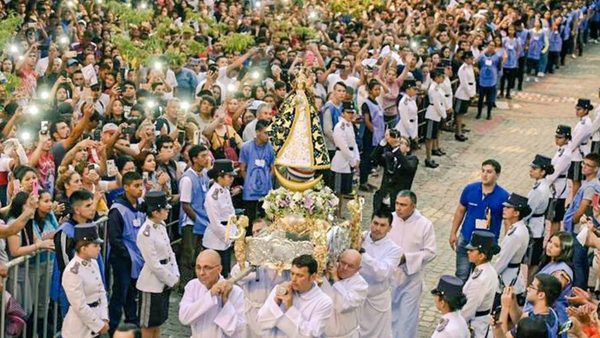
466 90
219 208
408 126
159 273
434 114
346 158
514 245
449 300
83 212
482 284
125 220
580 143
557 181
538 200
489 66
193 219
82 281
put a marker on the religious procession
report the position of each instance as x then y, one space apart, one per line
280 168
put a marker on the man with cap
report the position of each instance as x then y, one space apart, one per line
346 158
159 273
399 168
449 300
580 143
82 281
466 90
538 200
415 235
482 284
408 126
219 207
514 244
436 111
557 181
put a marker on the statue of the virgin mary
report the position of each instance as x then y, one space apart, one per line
297 138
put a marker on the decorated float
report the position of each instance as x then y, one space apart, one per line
301 212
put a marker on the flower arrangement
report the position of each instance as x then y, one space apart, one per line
320 203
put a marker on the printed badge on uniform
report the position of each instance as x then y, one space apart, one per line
476 273
137 223
147 231
259 163
75 268
488 62
442 324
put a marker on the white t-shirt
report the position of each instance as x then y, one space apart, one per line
334 78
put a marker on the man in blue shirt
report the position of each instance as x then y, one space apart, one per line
480 207
256 163
489 65
574 220
186 82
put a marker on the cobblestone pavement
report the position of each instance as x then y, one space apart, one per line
518 130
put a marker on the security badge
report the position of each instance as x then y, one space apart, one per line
442 324
476 273
137 223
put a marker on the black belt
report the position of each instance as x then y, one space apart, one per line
164 261
431 104
94 304
471 83
411 120
338 149
223 222
447 95
538 215
514 265
562 176
482 313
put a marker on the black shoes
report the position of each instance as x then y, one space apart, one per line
438 152
460 138
431 164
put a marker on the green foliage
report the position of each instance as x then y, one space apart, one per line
12 83
129 15
195 47
306 33
237 42
9 28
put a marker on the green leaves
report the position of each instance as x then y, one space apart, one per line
129 15
237 42
9 28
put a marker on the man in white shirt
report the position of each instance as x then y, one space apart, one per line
348 291
346 158
380 257
344 75
298 308
414 233
212 306
436 111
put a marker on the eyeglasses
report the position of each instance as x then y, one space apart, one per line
206 268
532 287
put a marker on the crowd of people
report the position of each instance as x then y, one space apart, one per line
138 123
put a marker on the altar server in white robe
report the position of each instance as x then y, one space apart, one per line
415 235
256 286
212 306
380 257
298 308
348 291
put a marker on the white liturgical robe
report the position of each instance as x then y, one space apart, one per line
378 264
348 296
416 237
208 316
256 286
305 318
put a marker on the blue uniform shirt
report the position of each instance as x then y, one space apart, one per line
258 161
477 204
488 69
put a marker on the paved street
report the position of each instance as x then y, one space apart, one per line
516 133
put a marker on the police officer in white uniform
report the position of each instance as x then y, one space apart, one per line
219 208
557 181
82 281
347 157
160 272
580 144
446 87
514 245
408 126
482 284
538 199
466 90
449 299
